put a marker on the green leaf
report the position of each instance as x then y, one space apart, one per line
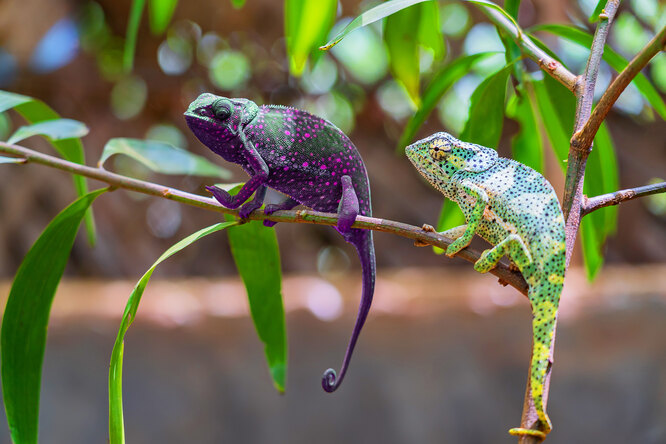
497 8
512 7
26 318
160 13
557 107
597 10
256 253
486 110
402 43
35 111
615 60
132 32
163 158
592 257
430 29
449 217
116 427
237 3
56 129
370 16
526 146
307 23
438 86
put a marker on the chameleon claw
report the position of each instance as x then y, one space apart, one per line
520 431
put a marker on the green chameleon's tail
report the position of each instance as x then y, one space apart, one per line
544 296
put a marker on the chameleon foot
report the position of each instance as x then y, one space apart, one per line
428 229
518 431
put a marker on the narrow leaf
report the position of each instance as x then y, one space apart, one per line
35 111
370 16
159 14
256 253
610 56
403 48
238 3
26 318
163 158
591 245
307 23
132 32
430 29
497 8
526 146
486 110
557 115
438 86
56 129
116 427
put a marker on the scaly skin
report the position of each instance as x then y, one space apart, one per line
514 208
301 155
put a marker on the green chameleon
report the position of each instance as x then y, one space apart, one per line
515 209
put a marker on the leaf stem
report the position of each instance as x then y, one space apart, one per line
502 271
591 204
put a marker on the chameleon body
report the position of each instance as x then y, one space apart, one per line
515 209
301 155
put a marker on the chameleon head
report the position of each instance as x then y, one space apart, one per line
216 120
440 155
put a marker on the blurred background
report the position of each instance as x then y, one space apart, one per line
444 355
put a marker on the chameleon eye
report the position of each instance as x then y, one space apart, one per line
222 109
439 152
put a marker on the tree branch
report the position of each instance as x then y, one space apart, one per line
583 137
578 154
502 271
591 204
527 47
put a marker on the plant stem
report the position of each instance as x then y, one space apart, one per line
585 135
502 271
527 47
591 204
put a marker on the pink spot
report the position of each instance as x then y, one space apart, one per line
305 164
287 133
283 157
323 167
286 168
261 126
328 183
307 135
344 170
338 160
333 173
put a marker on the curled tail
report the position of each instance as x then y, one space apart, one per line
362 240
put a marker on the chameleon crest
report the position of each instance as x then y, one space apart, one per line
301 155
515 209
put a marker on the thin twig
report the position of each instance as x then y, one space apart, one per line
502 271
591 204
527 47
584 137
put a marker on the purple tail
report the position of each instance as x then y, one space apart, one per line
362 240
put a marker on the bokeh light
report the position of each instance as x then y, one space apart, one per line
229 70
128 97
362 53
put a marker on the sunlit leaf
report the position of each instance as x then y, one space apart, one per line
26 318
132 31
556 108
511 7
116 421
438 86
450 216
594 17
402 43
486 110
238 3
163 158
591 246
497 8
615 60
35 111
430 29
601 177
307 24
526 146
160 13
57 129
257 256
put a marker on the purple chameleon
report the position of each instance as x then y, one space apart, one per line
301 155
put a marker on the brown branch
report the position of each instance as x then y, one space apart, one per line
591 204
584 136
502 271
551 66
